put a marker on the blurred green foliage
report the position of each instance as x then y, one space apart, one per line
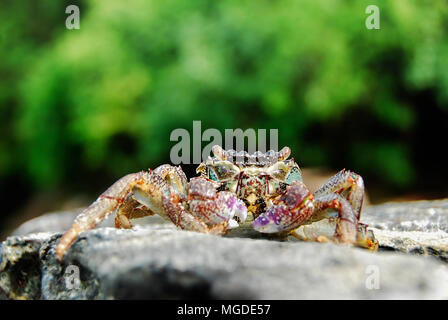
107 96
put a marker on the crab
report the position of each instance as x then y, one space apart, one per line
232 186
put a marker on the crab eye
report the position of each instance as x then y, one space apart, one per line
222 171
212 175
294 175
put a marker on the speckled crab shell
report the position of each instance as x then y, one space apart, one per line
254 178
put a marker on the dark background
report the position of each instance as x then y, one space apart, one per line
81 108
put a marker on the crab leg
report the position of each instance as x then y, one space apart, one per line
174 176
130 209
351 187
348 184
343 226
147 183
346 222
324 225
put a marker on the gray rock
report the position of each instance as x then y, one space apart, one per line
418 227
155 260
61 221
20 271
425 216
50 222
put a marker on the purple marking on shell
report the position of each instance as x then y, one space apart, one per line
277 213
231 202
241 206
261 221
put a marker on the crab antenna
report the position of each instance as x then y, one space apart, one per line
219 152
284 153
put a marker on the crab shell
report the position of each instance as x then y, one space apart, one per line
257 179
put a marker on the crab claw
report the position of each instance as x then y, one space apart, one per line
271 221
233 207
288 212
215 207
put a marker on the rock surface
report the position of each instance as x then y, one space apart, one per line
155 260
419 227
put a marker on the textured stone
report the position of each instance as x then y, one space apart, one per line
425 216
419 227
50 222
155 260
